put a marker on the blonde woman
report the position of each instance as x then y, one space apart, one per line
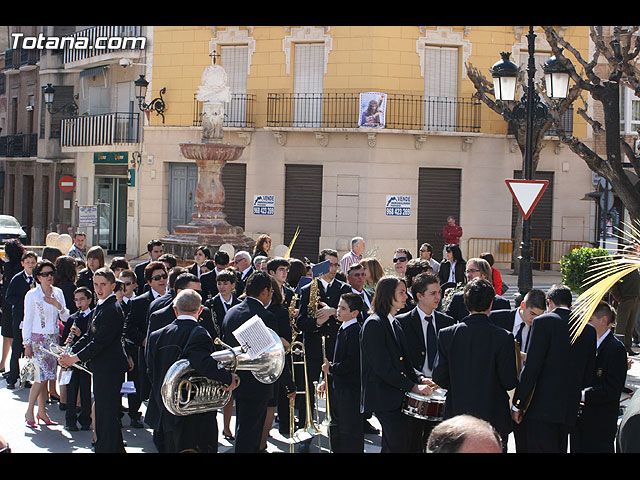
373 271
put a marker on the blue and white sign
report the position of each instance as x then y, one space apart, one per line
264 204
398 206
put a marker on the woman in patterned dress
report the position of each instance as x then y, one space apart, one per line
43 306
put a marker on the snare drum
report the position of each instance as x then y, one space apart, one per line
424 407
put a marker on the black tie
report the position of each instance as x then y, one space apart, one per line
519 334
432 342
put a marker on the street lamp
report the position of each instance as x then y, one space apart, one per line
156 104
69 110
529 110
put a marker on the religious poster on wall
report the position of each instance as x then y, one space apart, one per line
373 106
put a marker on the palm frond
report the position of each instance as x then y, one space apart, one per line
604 276
293 240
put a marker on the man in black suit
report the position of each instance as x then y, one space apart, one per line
155 249
242 263
278 268
251 396
558 368
185 338
356 279
80 381
208 279
323 324
130 284
18 287
386 370
597 423
475 268
519 321
102 349
225 298
421 326
476 362
155 276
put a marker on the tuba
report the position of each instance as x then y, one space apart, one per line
184 392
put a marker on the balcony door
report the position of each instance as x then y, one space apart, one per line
124 108
307 84
111 196
440 88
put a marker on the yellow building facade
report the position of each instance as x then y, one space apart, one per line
360 168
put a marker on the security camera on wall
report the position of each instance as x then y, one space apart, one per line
125 62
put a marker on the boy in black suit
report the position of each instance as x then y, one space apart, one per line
421 326
347 433
251 396
225 298
547 399
80 381
102 347
597 423
476 362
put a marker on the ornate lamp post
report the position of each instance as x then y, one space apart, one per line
529 110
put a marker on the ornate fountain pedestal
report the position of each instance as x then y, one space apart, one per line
208 225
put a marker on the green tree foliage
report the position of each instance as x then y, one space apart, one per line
577 267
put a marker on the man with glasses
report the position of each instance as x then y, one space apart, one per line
426 253
155 249
475 268
400 258
242 262
155 274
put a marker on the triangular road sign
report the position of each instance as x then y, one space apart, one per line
526 193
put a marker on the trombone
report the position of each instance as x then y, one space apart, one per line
328 421
297 349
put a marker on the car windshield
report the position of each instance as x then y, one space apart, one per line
9 222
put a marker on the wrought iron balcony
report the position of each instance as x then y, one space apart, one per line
94 130
20 145
237 113
341 110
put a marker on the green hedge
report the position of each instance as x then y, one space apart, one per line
575 266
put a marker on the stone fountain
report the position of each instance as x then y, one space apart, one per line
208 225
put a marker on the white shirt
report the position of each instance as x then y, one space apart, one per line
452 273
435 265
187 317
364 296
100 302
325 284
41 317
226 305
426 371
517 321
348 323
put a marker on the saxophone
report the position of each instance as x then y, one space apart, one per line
314 299
292 318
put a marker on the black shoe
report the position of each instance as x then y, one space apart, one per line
71 428
11 386
136 423
62 406
368 428
303 447
84 428
632 353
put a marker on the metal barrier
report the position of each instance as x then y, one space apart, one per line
39 249
544 252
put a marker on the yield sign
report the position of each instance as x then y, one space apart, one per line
526 193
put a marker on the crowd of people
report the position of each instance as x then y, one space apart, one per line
427 336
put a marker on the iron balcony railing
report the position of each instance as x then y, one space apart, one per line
106 129
237 113
20 145
566 124
96 48
342 110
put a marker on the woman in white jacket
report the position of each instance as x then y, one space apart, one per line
43 306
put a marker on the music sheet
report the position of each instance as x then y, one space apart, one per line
253 335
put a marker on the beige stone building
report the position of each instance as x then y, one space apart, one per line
296 92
